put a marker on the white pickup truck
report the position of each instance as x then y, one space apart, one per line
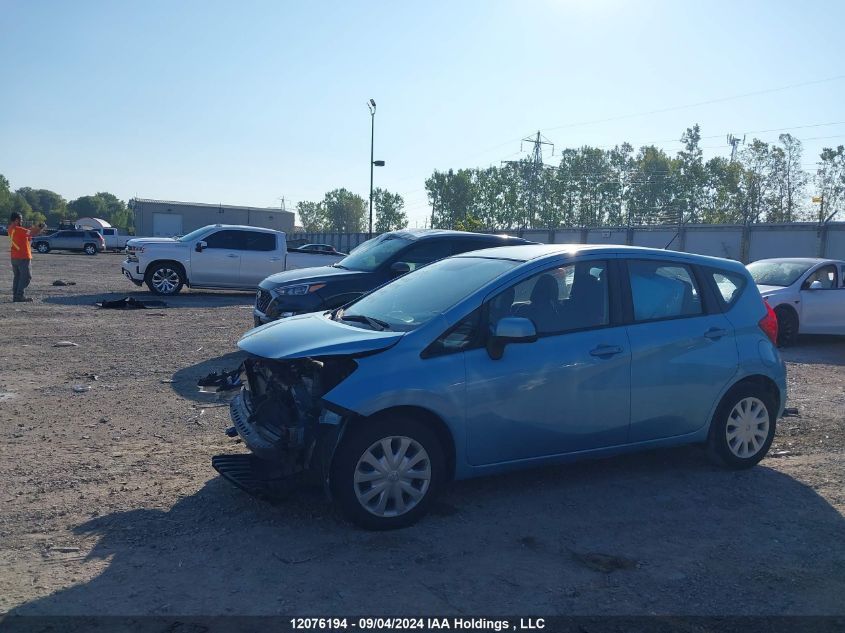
217 256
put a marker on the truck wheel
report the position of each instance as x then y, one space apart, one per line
42 247
90 249
386 473
165 279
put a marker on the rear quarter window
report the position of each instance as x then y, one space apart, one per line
729 286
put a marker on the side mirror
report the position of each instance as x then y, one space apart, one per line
400 268
510 330
200 247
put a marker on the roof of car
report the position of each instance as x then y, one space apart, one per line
418 234
530 252
242 227
800 260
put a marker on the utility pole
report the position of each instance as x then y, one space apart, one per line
733 141
536 169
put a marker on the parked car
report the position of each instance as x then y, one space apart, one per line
86 240
319 248
3 230
368 266
215 256
807 294
506 358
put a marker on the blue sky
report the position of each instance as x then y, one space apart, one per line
246 102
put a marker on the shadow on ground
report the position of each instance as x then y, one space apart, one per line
185 380
186 299
681 537
816 350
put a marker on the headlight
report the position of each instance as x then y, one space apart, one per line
299 289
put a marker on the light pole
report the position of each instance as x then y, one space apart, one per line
371 104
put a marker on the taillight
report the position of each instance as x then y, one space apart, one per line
769 323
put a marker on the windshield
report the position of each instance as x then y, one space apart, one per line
418 297
193 235
775 273
373 253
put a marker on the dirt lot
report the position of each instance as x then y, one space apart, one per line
110 505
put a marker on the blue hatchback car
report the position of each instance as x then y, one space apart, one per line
508 358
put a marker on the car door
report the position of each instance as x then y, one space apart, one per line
260 257
683 350
823 303
570 389
218 264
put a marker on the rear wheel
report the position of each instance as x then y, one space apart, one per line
42 247
165 279
90 249
743 427
386 473
787 325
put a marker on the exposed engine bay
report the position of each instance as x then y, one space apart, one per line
280 416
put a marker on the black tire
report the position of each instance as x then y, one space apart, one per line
90 249
347 462
165 279
728 420
787 325
42 247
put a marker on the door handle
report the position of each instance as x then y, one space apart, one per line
232 255
275 259
715 333
606 351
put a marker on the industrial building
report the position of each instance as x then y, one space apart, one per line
166 218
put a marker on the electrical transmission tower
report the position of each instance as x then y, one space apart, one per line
733 141
536 170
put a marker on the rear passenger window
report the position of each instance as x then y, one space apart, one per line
730 286
662 290
256 241
426 252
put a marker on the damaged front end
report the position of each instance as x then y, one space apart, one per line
280 416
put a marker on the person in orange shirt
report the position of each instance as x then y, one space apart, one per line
21 255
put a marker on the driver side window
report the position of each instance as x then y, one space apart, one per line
425 252
561 299
826 276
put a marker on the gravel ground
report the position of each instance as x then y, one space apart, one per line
110 505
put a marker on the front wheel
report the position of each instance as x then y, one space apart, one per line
743 427
90 249
386 473
787 325
42 247
165 279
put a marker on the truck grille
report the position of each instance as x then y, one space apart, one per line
262 300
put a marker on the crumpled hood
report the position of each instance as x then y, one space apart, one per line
309 275
314 335
143 241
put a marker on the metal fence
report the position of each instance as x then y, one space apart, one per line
743 243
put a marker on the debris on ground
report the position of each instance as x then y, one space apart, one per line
129 303
604 562
225 381
59 282
791 412
81 388
65 344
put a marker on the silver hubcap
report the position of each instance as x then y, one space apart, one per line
165 280
747 428
42 248
89 249
392 476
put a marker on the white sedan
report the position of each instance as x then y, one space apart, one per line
807 295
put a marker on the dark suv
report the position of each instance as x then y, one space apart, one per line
370 265
87 241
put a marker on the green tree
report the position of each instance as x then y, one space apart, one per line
312 216
389 210
451 195
48 203
345 212
102 205
830 182
689 176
